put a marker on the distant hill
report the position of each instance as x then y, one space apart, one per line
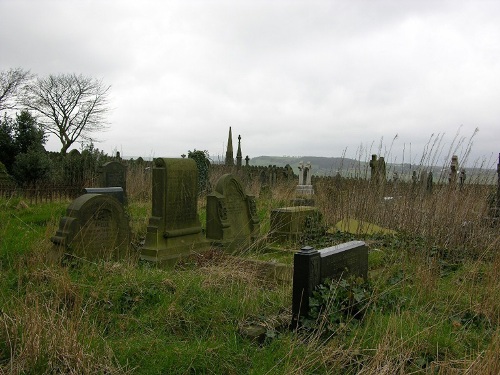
329 166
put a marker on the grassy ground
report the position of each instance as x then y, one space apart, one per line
432 304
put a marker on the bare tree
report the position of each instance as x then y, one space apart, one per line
11 82
70 106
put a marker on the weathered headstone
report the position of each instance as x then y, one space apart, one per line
311 267
429 183
174 228
382 174
113 174
452 178
289 223
462 178
374 168
304 190
232 220
95 227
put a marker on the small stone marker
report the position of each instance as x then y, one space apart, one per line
232 220
113 174
311 267
289 223
174 228
95 227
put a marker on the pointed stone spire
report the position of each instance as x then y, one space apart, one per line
238 153
229 152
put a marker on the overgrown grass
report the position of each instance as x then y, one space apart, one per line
432 304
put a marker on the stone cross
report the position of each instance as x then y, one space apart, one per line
301 175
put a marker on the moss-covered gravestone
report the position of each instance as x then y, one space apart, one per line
95 227
113 174
232 220
289 224
174 229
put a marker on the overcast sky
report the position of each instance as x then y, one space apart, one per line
322 78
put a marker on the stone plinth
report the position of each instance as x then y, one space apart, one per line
288 223
304 190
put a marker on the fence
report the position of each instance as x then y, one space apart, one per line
41 193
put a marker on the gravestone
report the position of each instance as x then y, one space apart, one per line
304 190
311 267
452 178
429 183
95 227
174 228
232 220
113 174
374 168
462 178
289 223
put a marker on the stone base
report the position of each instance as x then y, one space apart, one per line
165 250
303 202
304 190
288 223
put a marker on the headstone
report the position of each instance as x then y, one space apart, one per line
452 179
113 174
174 229
311 267
494 200
462 178
374 168
382 170
232 220
289 223
429 184
95 227
304 188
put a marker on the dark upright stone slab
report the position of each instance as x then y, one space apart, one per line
311 267
114 174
